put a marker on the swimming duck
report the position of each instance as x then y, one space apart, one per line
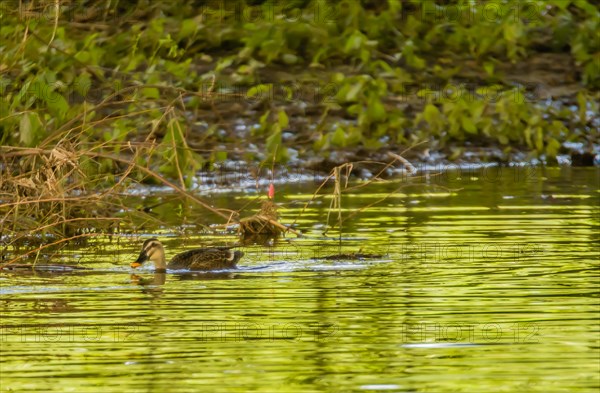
213 258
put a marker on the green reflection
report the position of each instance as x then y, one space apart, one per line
490 288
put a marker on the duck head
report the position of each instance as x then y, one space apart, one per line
152 250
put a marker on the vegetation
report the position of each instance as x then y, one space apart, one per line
101 95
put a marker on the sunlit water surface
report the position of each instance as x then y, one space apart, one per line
486 281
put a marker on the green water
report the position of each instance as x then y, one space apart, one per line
488 282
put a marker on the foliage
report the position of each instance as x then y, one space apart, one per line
116 74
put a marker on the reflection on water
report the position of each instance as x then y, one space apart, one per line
486 285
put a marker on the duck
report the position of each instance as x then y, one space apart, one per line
204 259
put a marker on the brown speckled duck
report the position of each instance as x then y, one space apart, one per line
213 258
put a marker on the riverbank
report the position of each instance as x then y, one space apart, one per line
102 99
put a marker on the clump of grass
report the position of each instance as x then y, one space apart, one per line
340 175
53 196
45 193
263 225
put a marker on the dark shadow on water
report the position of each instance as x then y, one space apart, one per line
202 276
161 278
154 284
47 270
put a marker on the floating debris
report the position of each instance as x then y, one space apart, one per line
54 268
352 256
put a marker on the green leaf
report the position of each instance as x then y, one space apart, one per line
416 62
489 67
261 91
375 109
355 136
354 42
322 143
511 32
264 123
83 83
29 128
338 137
220 156
274 140
150 92
534 120
57 104
558 129
477 108
83 57
431 114
562 4
175 132
282 119
352 93
468 125
354 110
188 28
552 148
224 63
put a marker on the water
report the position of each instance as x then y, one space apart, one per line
488 281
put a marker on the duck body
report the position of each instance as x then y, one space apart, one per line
214 258
204 259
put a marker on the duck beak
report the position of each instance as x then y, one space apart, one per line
141 259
